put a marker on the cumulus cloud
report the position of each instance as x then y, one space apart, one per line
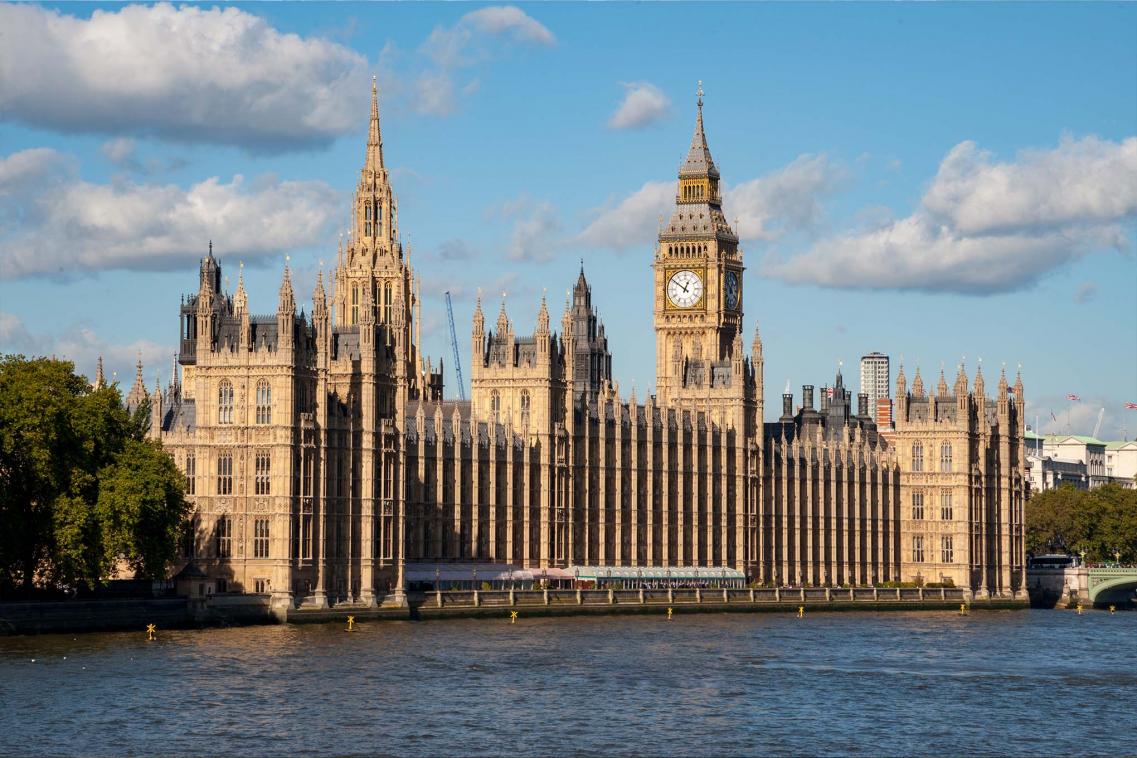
55 223
1056 415
184 73
83 346
643 103
985 227
765 207
536 233
476 37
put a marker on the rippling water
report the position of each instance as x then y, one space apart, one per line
1038 682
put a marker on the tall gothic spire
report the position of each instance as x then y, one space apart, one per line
287 298
699 161
100 379
374 136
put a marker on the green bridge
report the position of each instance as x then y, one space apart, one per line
1111 584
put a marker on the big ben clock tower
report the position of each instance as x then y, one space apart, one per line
698 284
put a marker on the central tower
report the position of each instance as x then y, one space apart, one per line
698 281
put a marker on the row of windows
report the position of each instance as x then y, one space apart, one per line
526 404
947 549
384 303
946 512
223 538
225 402
918 457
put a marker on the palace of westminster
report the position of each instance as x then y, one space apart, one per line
325 465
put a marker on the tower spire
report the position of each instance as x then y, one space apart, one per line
374 136
699 162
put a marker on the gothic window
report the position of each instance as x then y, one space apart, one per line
306 536
224 537
264 402
387 303
260 538
355 304
191 473
947 553
918 549
189 537
524 407
263 468
945 505
225 403
918 456
945 456
225 474
917 506
495 403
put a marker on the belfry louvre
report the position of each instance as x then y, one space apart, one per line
326 466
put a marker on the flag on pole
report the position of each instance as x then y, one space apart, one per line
829 392
1072 396
1131 406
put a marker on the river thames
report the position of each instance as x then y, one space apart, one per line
1018 682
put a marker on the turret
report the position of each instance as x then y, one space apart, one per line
478 334
941 386
285 310
961 388
156 409
241 306
901 395
918 385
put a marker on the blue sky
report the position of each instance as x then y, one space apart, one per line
932 181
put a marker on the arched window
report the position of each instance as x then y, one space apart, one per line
264 402
495 403
917 456
945 456
355 304
524 407
225 403
387 303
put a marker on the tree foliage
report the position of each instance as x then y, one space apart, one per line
80 487
1098 522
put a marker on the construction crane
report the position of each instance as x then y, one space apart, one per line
454 345
1097 426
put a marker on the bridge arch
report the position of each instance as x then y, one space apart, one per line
1118 587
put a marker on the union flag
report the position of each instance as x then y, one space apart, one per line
1072 396
1131 406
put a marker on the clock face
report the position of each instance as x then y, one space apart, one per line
731 290
685 289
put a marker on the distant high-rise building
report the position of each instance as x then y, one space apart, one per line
874 377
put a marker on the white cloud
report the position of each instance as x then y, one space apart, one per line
184 73
1086 181
83 346
1056 415
476 37
915 253
632 222
63 225
643 104
788 199
536 231
766 207
986 227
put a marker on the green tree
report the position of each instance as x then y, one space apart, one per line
1099 522
61 444
142 508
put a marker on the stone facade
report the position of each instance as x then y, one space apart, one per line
322 457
